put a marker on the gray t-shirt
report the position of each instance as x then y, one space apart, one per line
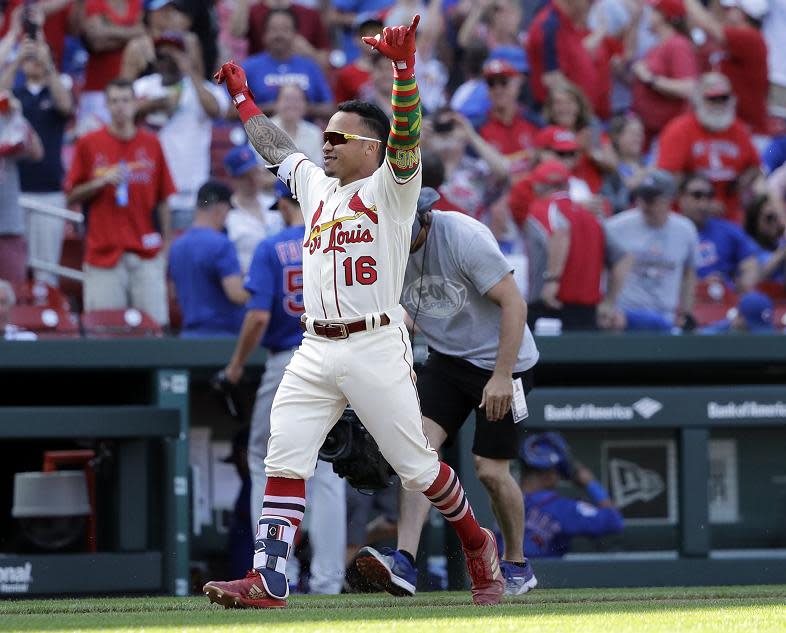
445 296
660 255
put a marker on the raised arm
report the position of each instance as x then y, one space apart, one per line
398 45
272 143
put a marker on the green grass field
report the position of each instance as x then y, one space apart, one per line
759 609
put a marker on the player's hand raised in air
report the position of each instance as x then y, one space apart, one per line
235 78
397 43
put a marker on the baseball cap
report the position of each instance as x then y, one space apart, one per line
543 450
211 192
550 172
755 9
155 5
498 68
557 138
515 56
756 310
715 85
240 160
428 198
282 191
656 182
671 9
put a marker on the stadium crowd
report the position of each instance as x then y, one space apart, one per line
628 155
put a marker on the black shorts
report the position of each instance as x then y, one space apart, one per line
451 388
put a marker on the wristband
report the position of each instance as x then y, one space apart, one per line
596 492
404 68
245 106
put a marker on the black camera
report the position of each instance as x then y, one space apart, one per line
30 28
355 455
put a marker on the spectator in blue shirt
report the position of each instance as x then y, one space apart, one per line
725 251
204 268
279 65
766 226
754 314
551 519
47 104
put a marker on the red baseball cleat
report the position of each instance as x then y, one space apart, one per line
247 593
488 584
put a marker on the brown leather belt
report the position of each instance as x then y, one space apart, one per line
338 330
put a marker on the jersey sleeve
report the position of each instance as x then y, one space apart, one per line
673 150
585 519
303 178
260 279
226 261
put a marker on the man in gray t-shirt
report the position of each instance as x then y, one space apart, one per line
460 293
658 292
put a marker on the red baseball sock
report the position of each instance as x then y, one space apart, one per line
447 495
285 498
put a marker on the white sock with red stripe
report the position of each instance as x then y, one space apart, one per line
282 512
447 495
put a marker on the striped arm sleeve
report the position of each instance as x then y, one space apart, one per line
403 150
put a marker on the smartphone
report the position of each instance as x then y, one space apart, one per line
30 27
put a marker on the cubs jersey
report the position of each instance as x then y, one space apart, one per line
275 282
357 238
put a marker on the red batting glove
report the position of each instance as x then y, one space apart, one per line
397 43
237 86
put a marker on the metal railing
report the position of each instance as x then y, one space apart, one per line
32 205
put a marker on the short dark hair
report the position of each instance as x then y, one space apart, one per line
433 170
280 11
688 178
374 118
211 192
122 84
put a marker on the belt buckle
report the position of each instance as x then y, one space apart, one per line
343 332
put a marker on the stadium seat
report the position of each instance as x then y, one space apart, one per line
46 322
71 257
713 300
121 323
39 293
775 290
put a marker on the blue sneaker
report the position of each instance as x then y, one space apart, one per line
389 570
518 580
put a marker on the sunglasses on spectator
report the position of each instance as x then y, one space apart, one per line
340 138
566 153
718 99
497 80
699 194
769 218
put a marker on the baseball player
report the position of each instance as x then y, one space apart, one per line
358 212
460 293
275 283
551 519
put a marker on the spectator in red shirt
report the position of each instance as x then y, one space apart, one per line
120 173
712 141
56 16
567 107
107 26
350 78
665 79
249 19
742 56
506 128
566 275
556 50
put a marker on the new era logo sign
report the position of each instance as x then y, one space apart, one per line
647 407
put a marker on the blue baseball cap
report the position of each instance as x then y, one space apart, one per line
282 191
515 56
240 160
755 308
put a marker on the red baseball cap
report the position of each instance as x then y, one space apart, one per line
550 172
497 68
556 138
672 9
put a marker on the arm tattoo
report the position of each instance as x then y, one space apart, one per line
272 143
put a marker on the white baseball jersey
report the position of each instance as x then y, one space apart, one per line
357 239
